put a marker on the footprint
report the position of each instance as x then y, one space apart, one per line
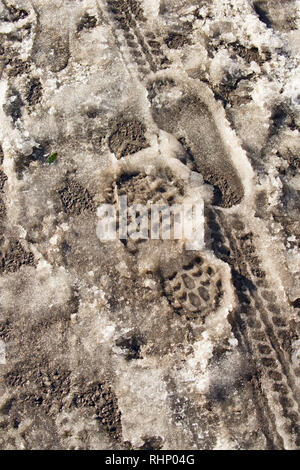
180 111
160 188
127 137
193 287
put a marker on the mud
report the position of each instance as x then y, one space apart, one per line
141 344
127 137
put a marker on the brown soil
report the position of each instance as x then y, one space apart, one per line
14 256
75 199
127 137
35 92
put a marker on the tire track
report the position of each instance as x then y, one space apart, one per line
258 335
145 49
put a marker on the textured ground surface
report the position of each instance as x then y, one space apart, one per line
146 345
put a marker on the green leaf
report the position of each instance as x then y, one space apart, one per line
52 158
